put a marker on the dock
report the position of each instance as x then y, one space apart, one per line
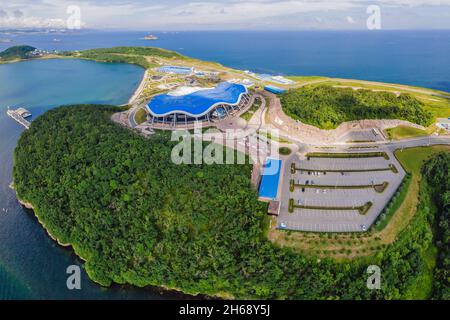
19 115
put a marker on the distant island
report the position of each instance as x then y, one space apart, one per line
136 218
19 53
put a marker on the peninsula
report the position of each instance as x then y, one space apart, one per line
361 167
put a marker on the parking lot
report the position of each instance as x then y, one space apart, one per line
344 164
362 135
329 201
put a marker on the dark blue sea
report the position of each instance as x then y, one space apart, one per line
32 266
419 58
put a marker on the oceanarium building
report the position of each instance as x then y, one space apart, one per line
187 105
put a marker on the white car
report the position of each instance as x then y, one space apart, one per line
364 227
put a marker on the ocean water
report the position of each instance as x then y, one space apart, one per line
32 266
417 58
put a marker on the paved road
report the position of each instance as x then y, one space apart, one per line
418 142
257 121
131 117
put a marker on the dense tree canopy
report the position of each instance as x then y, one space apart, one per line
17 52
132 55
327 107
437 172
137 218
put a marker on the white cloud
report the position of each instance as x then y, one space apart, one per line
181 14
414 3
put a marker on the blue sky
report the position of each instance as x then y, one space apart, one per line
226 14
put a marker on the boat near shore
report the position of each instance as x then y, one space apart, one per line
150 37
20 116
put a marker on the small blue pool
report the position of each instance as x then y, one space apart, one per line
268 188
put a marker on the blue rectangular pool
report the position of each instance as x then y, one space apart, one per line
268 188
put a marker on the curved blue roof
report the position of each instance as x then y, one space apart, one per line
198 103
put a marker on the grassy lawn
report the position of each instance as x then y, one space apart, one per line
392 87
140 116
285 151
346 246
404 132
306 79
393 205
440 107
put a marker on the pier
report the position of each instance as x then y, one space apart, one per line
19 115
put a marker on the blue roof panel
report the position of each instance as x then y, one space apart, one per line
275 90
197 103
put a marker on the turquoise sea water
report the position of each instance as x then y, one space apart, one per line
32 266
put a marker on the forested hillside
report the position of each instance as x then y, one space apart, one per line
327 107
17 52
132 55
437 172
138 218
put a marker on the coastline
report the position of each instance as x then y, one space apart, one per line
139 90
68 246
30 207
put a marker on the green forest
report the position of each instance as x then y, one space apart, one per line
327 107
132 55
437 172
17 52
137 218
